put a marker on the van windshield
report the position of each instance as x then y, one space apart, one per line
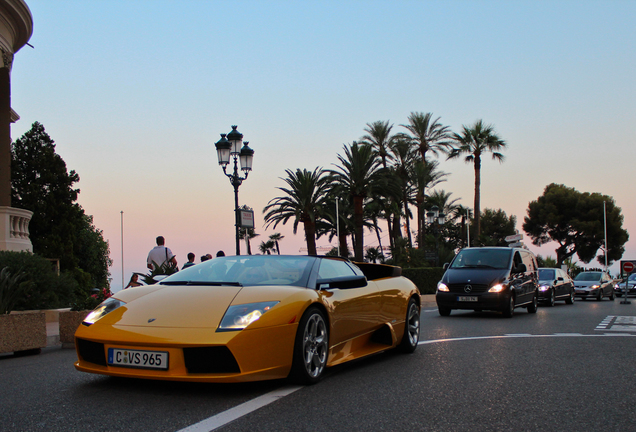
482 258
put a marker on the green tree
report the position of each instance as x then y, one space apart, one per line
59 228
303 202
575 221
428 135
475 141
266 247
276 237
495 227
359 175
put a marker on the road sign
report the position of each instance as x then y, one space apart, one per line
628 266
517 244
514 238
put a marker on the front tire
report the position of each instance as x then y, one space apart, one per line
599 297
411 328
570 300
612 295
444 311
551 299
532 308
509 309
310 348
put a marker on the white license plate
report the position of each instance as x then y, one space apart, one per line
138 358
467 298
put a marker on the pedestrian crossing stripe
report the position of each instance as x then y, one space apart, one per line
618 324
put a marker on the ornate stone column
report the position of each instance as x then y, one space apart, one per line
16 28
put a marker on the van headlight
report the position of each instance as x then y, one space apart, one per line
442 287
496 288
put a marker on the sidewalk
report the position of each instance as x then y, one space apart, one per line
428 300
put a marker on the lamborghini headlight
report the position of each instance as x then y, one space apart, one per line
237 317
105 307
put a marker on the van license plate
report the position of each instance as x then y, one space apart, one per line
138 358
467 298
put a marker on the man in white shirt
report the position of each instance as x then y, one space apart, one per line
160 255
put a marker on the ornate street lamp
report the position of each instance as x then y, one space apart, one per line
233 147
435 220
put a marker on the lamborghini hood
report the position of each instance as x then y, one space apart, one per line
193 306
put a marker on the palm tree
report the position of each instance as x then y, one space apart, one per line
424 176
358 175
402 175
303 201
267 247
379 137
446 205
276 237
428 135
473 142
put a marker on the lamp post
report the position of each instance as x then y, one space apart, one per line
435 220
227 148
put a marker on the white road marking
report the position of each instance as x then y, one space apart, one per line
512 336
613 323
225 417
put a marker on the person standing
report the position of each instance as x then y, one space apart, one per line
160 255
190 262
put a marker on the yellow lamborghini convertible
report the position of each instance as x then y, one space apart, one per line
248 318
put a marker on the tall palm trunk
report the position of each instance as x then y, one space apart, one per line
310 236
477 195
358 217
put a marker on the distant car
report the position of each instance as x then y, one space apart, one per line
593 284
489 278
619 289
555 284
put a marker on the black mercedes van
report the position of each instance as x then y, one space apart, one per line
489 278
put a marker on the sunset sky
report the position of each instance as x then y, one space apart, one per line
136 93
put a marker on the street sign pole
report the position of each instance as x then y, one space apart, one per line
627 267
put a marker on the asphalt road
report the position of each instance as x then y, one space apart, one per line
564 368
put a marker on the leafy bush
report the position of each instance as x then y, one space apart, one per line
424 278
41 287
90 302
10 289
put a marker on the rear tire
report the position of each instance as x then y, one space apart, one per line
311 348
411 328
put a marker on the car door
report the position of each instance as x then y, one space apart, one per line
608 287
519 280
560 285
352 310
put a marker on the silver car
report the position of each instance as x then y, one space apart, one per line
594 284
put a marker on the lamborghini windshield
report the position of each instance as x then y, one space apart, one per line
246 271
